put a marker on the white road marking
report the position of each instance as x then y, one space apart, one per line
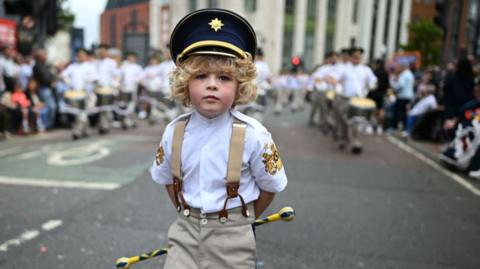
79 155
38 182
5 152
24 237
52 224
29 235
29 155
435 165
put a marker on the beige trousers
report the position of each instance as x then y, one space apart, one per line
201 241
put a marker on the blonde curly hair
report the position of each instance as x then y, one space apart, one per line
243 70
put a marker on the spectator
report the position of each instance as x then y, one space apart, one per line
402 83
19 98
457 90
10 68
44 77
378 94
426 103
25 69
37 106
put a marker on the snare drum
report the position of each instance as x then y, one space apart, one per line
330 94
361 107
105 96
76 98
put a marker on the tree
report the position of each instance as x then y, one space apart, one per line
425 37
65 17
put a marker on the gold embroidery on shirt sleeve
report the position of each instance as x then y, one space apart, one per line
159 156
271 159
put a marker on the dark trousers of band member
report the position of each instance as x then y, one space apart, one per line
320 108
343 131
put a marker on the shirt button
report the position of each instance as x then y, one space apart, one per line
203 215
203 221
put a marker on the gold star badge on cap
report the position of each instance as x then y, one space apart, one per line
216 24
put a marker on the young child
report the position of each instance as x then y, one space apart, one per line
221 168
23 107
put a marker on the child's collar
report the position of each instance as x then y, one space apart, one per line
219 118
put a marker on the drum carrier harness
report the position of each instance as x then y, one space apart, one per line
234 169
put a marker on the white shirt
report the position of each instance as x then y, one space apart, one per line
404 84
106 69
80 76
357 80
263 72
425 104
166 68
204 161
132 74
152 78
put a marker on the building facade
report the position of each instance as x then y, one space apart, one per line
122 16
310 28
461 24
285 28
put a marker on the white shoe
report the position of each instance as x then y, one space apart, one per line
142 114
369 130
379 130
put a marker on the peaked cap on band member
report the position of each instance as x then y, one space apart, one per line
212 31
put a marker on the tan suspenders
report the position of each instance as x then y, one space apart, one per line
234 170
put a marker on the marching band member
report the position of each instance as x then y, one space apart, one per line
132 75
106 67
105 91
325 79
80 77
357 79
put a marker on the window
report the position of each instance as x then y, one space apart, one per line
133 20
288 26
387 21
113 30
250 6
331 15
192 5
212 3
399 24
310 26
355 11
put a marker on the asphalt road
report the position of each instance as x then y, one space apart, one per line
382 209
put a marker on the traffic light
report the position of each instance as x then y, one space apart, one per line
439 18
296 61
18 7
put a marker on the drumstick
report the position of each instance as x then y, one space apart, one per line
286 214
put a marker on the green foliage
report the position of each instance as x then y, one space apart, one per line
425 37
65 17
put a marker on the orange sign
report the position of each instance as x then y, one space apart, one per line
7 32
408 57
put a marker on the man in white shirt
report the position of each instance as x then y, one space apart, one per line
402 83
